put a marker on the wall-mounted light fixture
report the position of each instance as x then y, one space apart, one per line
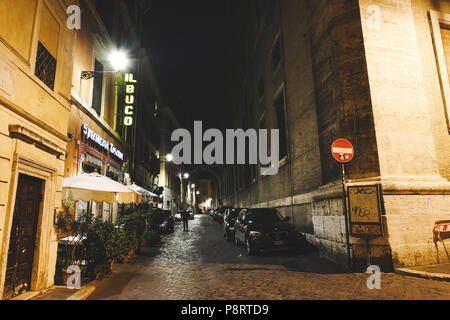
118 61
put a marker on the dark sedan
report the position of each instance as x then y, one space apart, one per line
265 229
229 219
218 215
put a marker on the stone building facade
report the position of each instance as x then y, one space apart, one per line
170 176
374 72
99 141
56 124
35 82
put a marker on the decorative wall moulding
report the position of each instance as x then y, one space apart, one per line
28 136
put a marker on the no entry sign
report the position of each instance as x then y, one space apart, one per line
342 150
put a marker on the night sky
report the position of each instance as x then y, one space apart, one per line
187 41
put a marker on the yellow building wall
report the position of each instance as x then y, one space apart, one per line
17 20
92 43
26 101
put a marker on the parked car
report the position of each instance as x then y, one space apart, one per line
178 216
229 219
265 229
168 225
215 214
218 216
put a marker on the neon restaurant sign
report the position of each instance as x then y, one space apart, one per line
91 135
130 92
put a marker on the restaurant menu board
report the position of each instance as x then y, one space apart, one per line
364 211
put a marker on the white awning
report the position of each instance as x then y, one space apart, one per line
93 186
144 192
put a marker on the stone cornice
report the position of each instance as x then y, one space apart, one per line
24 114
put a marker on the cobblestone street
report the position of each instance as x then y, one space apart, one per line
201 264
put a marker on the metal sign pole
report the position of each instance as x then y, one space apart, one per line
349 261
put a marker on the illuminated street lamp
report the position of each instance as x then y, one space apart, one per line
118 61
186 175
192 186
169 157
197 193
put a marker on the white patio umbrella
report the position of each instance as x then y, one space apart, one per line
144 192
146 195
95 187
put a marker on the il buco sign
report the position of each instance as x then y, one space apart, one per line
130 92
91 135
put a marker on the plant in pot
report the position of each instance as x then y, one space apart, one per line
102 248
127 243
156 219
70 252
135 224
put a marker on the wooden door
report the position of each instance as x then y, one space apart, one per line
23 236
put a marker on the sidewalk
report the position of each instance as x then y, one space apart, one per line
58 293
435 272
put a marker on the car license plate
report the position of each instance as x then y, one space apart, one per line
278 243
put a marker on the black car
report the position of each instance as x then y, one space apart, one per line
264 229
168 224
218 215
179 215
229 219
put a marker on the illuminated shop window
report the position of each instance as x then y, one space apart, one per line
112 172
81 209
90 164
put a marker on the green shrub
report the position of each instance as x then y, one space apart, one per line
101 247
135 222
104 243
156 217
125 242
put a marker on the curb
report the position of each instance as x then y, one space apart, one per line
26 296
83 293
423 274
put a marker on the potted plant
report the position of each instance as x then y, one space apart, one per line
127 243
135 224
71 251
101 247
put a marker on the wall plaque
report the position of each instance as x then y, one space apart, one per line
364 211
8 75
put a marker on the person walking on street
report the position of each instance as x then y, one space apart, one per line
185 217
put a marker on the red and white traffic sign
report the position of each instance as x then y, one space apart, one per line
342 150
